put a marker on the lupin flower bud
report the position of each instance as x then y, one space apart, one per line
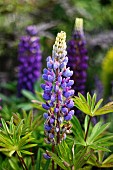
57 92
77 55
29 58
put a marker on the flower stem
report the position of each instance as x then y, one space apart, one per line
87 128
58 116
22 162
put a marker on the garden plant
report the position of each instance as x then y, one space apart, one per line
46 133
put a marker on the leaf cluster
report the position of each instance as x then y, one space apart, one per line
70 156
15 138
90 107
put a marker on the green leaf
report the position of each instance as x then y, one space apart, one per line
97 105
5 126
14 165
38 106
84 107
108 108
47 165
104 138
81 157
26 152
25 106
77 126
89 100
93 102
64 148
82 97
57 160
99 148
108 160
24 138
97 130
92 160
39 96
28 95
28 146
38 161
86 123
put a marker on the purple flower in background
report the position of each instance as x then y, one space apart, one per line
77 55
57 93
29 57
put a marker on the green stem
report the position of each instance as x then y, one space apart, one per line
58 116
87 128
22 162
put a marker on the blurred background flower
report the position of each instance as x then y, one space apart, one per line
29 57
107 73
78 59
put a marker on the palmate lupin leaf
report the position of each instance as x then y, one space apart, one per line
90 107
104 163
97 139
12 139
30 122
71 157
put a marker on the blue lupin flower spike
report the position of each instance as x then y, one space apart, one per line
57 93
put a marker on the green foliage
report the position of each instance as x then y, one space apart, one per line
77 151
30 122
39 161
90 107
27 102
99 160
12 139
75 156
97 138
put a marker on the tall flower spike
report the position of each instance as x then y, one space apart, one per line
29 58
57 93
77 55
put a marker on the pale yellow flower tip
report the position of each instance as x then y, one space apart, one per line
79 24
59 48
61 35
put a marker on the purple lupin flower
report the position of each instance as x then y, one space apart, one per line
29 58
57 93
77 55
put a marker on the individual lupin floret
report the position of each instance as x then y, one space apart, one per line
57 92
